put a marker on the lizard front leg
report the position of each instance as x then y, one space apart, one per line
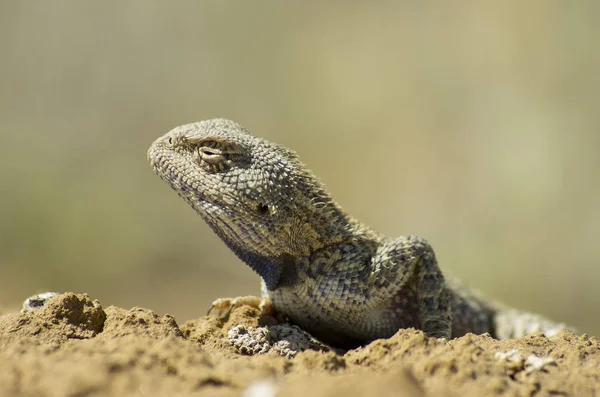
407 267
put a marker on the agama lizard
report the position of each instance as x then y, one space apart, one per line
324 270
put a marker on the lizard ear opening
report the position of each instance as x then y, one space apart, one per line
262 209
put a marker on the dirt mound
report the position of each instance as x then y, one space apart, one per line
73 347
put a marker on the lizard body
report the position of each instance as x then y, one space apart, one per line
330 274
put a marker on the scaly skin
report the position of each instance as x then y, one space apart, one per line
330 274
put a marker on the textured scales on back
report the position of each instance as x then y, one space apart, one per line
330 274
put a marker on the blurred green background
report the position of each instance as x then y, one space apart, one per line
475 125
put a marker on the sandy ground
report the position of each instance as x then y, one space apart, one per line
75 347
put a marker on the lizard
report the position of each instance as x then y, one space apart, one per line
322 269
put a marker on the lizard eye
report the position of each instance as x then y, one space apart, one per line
211 155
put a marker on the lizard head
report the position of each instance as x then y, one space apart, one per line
256 195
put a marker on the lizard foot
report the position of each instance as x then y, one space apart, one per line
222 307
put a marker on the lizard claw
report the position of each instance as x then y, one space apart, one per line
224 306
221 308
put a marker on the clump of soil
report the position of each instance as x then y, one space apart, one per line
73 347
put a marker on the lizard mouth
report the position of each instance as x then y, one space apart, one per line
178 171
170 167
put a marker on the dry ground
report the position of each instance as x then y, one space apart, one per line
74 347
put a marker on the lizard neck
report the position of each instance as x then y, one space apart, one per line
321 224
279 259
